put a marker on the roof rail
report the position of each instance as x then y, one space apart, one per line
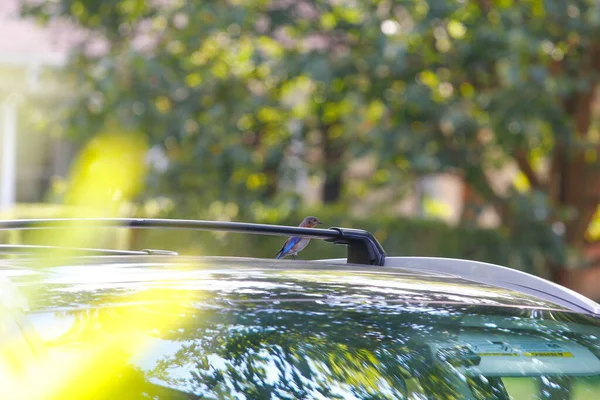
362 246
27 249
504 277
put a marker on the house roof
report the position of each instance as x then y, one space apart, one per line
23 42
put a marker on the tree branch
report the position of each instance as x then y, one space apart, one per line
485 6
475 176
527 169
482 184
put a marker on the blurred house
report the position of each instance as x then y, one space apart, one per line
29 157
441 196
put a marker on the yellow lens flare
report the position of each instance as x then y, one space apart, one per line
92 358
108 173
94 354
110 170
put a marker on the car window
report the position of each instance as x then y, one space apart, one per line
339 350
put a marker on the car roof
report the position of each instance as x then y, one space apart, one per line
362 249
248 280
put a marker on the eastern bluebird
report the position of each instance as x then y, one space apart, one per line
295 244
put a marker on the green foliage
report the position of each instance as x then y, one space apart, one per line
464 87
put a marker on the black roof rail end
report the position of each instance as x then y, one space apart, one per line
363 248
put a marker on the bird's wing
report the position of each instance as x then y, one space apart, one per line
289 244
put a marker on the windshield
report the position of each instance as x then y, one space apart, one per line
317 349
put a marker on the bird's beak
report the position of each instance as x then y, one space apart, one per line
319 223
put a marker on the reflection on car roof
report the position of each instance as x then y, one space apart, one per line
219 279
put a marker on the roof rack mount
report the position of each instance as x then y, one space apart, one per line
362 246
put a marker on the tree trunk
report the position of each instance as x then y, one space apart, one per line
333 153
270 172
574 185
270 167
585 281
471 202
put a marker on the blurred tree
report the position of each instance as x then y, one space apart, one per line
469 87
218 85
488 85
198 78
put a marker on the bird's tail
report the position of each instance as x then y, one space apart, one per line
279 254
